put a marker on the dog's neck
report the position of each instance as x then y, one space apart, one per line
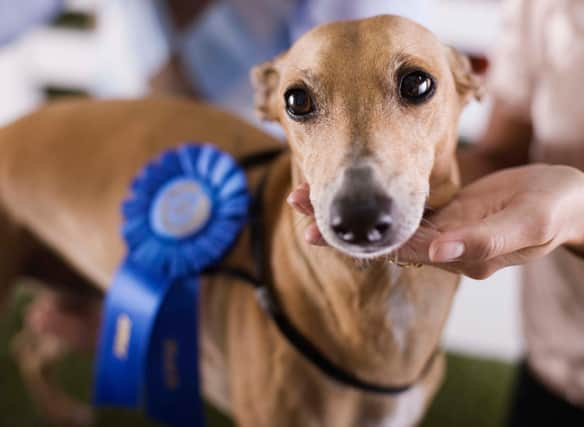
362 315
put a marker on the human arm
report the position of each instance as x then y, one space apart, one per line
507 218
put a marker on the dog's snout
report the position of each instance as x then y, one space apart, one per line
362 221
361 213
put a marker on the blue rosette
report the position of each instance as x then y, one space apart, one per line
185 211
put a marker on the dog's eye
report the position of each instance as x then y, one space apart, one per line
416 87
298 103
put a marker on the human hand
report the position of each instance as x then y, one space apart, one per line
506 218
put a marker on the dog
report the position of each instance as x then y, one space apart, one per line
370 109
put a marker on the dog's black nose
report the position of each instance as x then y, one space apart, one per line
362 219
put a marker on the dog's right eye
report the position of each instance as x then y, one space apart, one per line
298 103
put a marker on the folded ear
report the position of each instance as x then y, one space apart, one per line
265 78
468 83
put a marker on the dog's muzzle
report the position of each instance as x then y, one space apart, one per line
361 213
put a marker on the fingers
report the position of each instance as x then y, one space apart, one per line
503 233
299 199
504 219
417 249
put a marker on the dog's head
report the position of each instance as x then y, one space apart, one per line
370 109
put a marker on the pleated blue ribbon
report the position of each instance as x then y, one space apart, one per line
185 212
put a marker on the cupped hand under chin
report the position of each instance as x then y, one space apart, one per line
506 218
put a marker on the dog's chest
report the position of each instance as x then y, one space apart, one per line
401 312
406 412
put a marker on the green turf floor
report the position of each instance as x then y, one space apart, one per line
475 392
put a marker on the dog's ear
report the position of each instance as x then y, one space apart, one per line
468 84
265 78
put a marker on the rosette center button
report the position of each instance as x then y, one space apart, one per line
180 209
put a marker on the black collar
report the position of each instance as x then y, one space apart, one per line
272 307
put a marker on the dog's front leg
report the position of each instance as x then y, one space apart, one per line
16 245
270 384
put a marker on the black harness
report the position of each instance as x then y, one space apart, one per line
270 304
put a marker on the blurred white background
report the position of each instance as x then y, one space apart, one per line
485 319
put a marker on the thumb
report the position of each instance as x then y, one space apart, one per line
501 233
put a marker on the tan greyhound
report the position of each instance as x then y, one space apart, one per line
370 109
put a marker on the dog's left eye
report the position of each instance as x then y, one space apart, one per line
298 103
416 87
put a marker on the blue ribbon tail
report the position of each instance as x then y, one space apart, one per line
149 347
172 385
128 319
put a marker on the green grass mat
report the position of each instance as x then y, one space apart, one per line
475 392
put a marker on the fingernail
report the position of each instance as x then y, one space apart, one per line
446 252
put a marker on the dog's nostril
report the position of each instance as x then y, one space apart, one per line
347 236
337 222
379 231
341 230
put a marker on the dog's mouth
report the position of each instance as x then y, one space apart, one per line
367 252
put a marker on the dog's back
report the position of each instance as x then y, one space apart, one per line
65 169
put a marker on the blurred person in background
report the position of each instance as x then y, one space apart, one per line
200 48
205 48
509 214
538 117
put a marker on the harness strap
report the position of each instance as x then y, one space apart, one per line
260 158
269 303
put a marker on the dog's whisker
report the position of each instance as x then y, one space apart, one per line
301 222
430 224
419 236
